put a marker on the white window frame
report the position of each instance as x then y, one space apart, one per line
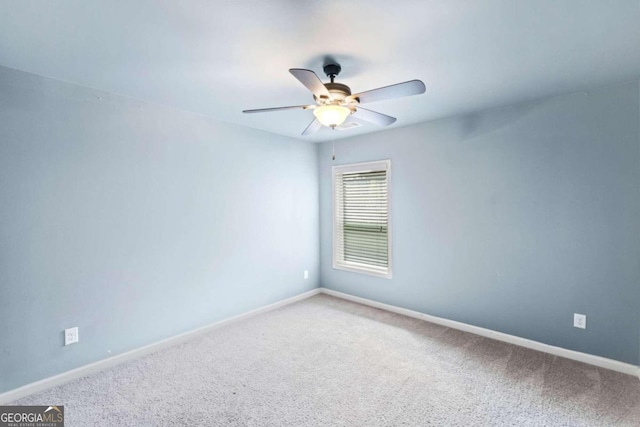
362 167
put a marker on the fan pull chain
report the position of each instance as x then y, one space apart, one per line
334 149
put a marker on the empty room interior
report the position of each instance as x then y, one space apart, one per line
320 213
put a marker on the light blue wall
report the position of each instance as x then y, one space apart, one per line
137 222
513 219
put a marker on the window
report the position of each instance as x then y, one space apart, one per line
361 226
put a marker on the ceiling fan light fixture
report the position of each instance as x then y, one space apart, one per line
331 115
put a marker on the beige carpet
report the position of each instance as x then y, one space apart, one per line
328 362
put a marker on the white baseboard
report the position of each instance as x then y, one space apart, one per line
601 362
100 365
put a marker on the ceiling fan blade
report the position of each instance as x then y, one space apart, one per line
313 127
373 117
311 81
412 87
267 110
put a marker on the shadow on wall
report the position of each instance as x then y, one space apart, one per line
487 122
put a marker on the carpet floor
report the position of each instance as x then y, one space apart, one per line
328 362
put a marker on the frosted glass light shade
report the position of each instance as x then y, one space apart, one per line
331 115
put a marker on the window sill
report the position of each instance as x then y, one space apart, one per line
354 268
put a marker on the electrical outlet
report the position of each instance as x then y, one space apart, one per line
579 321
306 274
71 336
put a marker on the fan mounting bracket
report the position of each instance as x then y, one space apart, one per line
332 70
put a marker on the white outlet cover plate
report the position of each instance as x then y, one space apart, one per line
580 321
306 274
71 336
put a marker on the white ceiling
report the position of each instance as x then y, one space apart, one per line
220 57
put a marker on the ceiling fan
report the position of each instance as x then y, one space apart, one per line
334 101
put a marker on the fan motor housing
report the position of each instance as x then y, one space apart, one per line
338 91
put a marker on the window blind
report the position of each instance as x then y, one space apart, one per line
361 203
